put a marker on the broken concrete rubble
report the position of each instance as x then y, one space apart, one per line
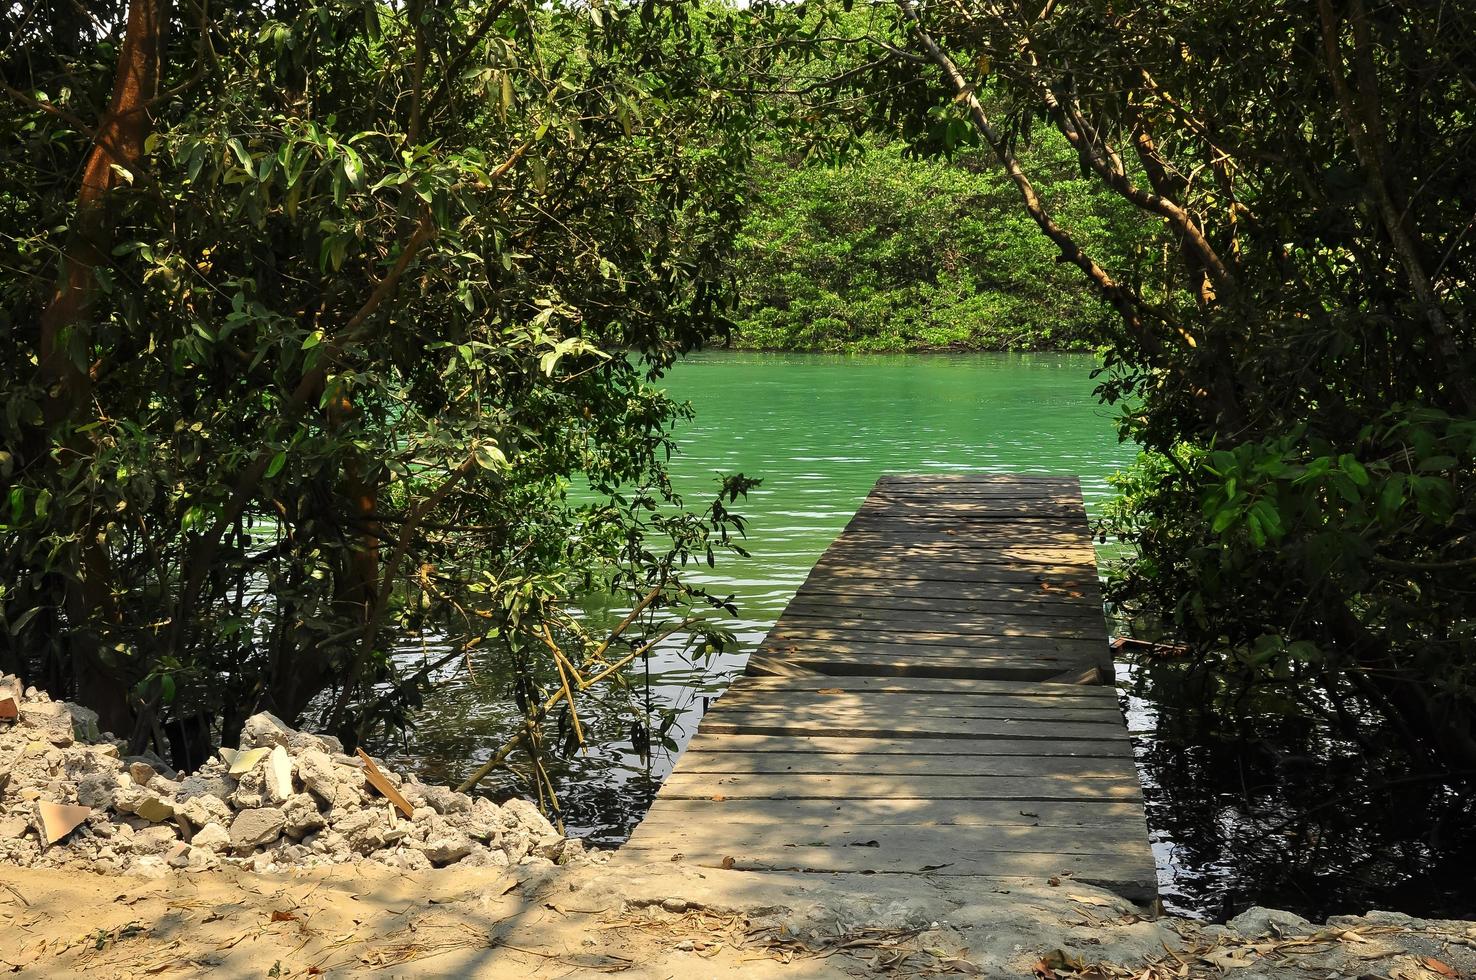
285 799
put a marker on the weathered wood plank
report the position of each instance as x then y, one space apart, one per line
819 693
924 743
902 812
889 841
1064 484
850 711
837 764
943 749
1030 598
936 614
807 635
880 550
839 662
778 722
1090 868
779 689
800 786
870 567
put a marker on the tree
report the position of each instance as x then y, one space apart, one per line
347 298
1300 372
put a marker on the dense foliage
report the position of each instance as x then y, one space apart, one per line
1302 372
885 252
313 311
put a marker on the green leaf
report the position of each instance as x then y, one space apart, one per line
489 457
239 149
1354 469
275 466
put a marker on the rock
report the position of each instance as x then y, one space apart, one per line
13 827
521 813
300 815
400 857
98 790
219 786
84 722
141 772
155 840
255 827
51 718
250 789
264 730
202 859
444 800
153 808
446 849
212 837
484 857
1259 921
198 811
278 775
164 786
244 761
152 760
551 847
316 771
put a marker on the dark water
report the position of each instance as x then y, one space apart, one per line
819 430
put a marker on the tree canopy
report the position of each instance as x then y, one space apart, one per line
1299 366
346 298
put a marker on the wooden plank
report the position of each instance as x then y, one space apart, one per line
891 841
918 705
867 617
1023 481
902 812
1031 544
815 690
800 786
920 665
941 748
883 550
972 509
763 665
805 635
780 689
834 763
1027 597
778 722
870 567
1011 533
1090 868
925 743
849 712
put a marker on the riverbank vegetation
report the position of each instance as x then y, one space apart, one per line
1300 374
889 252
315 312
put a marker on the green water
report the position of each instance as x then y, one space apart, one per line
818 430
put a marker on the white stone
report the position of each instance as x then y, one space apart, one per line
278 779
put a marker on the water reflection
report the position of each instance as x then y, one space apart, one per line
819 430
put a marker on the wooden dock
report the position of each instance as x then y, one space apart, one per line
936 699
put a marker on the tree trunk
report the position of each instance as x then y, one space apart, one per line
66 337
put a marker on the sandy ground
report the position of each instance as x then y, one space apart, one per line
647 921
